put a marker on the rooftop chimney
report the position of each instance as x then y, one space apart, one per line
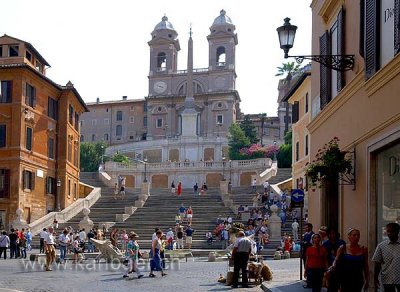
98 100
124 97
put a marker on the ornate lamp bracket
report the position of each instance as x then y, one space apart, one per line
336 62
349 179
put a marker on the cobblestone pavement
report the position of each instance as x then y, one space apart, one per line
194 275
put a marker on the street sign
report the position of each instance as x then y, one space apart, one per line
297 195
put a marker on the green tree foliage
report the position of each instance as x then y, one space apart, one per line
284 155
288 137
118 157
90 155
249 129
236 141
288 69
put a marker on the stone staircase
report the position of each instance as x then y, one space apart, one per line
162 206
106 209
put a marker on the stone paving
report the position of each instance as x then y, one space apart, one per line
195 275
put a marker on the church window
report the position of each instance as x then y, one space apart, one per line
219 105
119 130
161 62
170 35
159 109
181 90
221 56
119 115
229 30
159 123
220 119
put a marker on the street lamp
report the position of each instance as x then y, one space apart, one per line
145 169
274 150
58 194
223 167
102 154
287 33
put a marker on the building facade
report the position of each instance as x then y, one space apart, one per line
299 98
39 144
268 129
361 107
159 115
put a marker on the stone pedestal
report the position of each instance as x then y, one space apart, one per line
145 188
19 222
86 222
275 224
223 186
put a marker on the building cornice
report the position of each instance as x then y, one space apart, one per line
383 76
329 9
347 92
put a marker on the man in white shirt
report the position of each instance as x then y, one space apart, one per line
49 248
82 235
266 186
170 239
240 254
63 241
254 185
295 230
43 235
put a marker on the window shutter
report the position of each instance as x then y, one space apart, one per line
3 135
26 93
362 23
396 26
33 96
325 72
295 112
32 180
23 179
371 37
341 81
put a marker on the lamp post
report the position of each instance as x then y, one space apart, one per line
102 154
287 33
223 167
274 150
145 169
58 194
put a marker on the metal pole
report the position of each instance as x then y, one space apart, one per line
301 245
145 172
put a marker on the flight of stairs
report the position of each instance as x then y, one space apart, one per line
162 206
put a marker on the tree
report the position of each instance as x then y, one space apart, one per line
236 141
249 129
288 137
91 155
284 155
288 69
118 157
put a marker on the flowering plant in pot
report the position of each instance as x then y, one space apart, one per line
329 162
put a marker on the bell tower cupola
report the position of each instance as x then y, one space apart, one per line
164 47
222 43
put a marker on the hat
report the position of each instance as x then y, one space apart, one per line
133 234
323 229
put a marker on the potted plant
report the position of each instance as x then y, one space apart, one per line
329 162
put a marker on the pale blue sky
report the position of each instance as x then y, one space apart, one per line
101 46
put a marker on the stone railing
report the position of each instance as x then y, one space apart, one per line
66 214
204 165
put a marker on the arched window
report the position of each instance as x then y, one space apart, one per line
105 137
161 62
119 130
221 56
119 115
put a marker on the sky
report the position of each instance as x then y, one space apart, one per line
101 46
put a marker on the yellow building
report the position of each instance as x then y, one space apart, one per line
39 135
298 95
362 108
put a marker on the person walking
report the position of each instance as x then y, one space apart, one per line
351 264
29 236
316 264
240 255
266 186
133 254
155 258
387 260
182 212
195 188
173 187
4 244
332 245
189 236
49 247
43 235
179 238
13 243
295 230
170 239
189 214
306 243
179 190
254 185
63 241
